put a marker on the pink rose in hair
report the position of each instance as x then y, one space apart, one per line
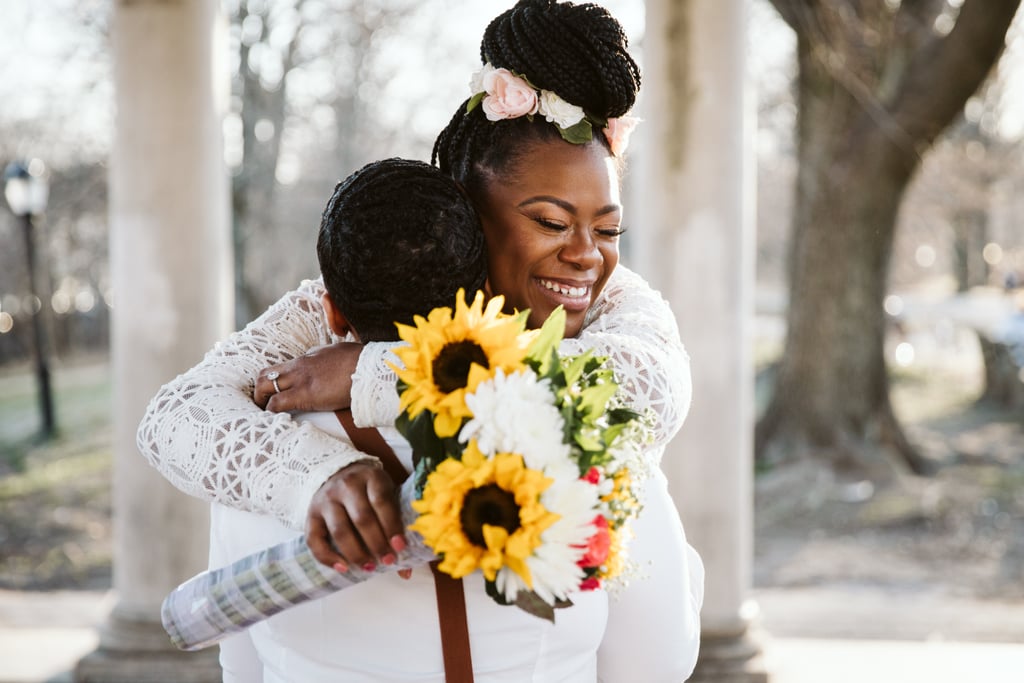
508 96
618 132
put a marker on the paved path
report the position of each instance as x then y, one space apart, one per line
813 635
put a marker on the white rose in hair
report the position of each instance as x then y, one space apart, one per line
558 111
476 83
508 96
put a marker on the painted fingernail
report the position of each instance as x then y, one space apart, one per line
405 573
388 559
340 567
397 543
369 567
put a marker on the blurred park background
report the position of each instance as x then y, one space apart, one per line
926 497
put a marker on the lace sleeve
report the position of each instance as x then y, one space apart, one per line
630 322
204 434
374 396
633 325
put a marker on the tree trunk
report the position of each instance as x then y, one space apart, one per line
876 85
831 396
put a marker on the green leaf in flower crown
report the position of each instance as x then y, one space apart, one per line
474 101
579 133
547 340
599 121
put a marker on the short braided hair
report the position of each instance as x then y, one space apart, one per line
578 51
398 238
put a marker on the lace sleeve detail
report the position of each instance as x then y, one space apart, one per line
204 434
374 395
633 325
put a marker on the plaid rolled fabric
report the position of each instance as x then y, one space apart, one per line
216 603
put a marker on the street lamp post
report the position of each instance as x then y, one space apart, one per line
27 189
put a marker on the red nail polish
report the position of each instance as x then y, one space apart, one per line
340 567
397 543
388 559
369 567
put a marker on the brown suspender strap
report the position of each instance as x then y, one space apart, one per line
451 600
451 612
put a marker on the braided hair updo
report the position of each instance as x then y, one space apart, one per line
577 51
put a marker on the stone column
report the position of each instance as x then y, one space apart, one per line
170 266
696 179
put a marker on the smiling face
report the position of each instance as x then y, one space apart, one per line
552 224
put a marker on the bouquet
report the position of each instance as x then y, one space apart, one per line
522 457
525 468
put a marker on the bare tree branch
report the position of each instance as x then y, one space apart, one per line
943 73
794 12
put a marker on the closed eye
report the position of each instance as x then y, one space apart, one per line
611 232
550 225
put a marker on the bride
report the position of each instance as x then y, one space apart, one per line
550 214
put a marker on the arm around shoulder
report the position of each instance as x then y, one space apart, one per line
205 435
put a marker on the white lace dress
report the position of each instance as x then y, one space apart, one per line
205 435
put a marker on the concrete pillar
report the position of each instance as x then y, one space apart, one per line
170 246
695 217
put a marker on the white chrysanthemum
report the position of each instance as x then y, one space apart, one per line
516 414
556 110
553 565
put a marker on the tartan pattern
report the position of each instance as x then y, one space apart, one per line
216 603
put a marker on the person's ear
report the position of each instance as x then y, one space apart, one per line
336 320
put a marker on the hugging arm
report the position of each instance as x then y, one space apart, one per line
205 435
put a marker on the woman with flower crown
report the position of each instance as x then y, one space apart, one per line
538 149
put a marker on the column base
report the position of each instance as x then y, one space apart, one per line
730 659
135 651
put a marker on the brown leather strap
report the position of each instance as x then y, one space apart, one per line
369 440
451 611
451 600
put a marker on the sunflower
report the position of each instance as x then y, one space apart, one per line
484 513
449 355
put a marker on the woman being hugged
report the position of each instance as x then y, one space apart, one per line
537 147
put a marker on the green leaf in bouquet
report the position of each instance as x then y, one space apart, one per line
594 400
621 416
574 367
613 431
495 594
545 345
589 440
419 432
595 364
528 601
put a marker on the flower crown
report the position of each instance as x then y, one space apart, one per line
505 95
